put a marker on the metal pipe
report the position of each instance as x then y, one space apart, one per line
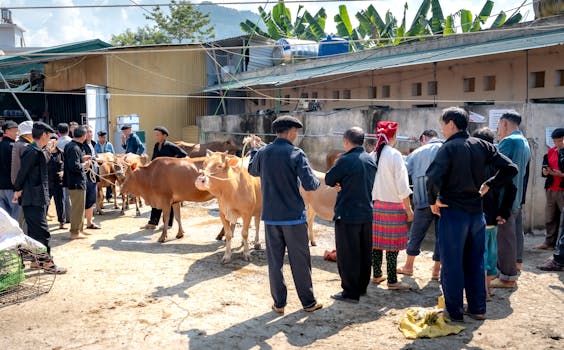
15 97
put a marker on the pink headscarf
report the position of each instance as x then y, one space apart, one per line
385 130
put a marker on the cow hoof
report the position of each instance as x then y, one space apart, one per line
225 260
219 237
138 213
257 246
122 213
179 235
161 240
116 207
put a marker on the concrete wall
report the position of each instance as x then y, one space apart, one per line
319 135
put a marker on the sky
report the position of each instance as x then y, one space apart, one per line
50 27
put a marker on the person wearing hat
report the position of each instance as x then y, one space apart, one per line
163 148
391 208
130 142
24 139
282 167
32 191
553 171
456 182
103 145
10 130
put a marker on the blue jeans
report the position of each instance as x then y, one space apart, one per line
559 254
490 254
462 245
13 209
422 219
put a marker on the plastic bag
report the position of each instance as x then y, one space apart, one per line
419 322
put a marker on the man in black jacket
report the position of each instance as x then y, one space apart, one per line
32 189
456 182
354 173
163 148
74 178
10 129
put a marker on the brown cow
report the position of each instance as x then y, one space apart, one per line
332 157
163 183
123 162
238 195
320 202
195 150
108 178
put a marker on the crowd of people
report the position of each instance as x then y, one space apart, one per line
471 190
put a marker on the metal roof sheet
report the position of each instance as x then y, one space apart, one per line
348 65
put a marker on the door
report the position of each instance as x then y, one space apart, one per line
96 108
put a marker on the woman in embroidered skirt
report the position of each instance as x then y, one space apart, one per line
392 208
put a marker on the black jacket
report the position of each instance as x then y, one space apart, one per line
6 163
355 172
459 169
498 201
549 178
32 178
168 149
74 176
55 167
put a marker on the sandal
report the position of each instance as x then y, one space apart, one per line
551 265
398 286
279 310
477 317
401 271
93 226
497 283
48 266
378 280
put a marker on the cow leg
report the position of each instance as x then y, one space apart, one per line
257 227
176 208
228 236
221 233
166 215
99 200
138 213
245 234
114 194
310 216
124 204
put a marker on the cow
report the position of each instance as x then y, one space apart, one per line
200 150
320 202
238 195
122 163
163 183
332 157
108 178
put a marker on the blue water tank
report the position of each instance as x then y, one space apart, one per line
333 45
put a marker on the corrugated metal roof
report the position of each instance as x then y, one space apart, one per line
348 65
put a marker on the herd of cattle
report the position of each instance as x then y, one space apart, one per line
211 171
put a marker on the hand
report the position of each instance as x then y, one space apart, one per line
484 189
409 213
17 196
86 165
338 187
436 208
500 220
122 138
545 171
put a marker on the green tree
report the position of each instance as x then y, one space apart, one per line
143 36
183 23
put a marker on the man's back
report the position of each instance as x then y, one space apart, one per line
417 164
516 148
6 146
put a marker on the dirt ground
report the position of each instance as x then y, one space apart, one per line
126 291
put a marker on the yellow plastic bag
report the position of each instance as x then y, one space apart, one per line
419 322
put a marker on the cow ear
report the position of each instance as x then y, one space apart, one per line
233 162
133 166
208 153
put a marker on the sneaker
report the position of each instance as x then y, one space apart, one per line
314 307
341 297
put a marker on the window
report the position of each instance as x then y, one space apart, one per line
431 88
386 91
336 95
489 83
314 95
537 79
347 94
304 95
263 102
416 89
560 77
469 84
286 99
373 92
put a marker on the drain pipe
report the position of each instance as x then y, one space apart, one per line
15 97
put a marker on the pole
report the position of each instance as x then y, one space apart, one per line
15 97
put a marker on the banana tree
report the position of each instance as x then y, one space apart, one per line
346 30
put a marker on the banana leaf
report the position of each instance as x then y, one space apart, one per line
449 25
437 19
465 20
499 21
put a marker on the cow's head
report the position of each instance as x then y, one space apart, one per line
125 176
215 170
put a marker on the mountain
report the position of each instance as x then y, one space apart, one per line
226 20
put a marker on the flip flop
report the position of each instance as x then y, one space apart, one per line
401 271
477 317
279 310
497 283
378 280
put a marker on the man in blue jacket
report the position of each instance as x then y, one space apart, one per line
130 141
354 174
279 166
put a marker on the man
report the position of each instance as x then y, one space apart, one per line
130 142
72 126
510 241
103 145
32 191
163 148
455 183
354 175
55 179
553 171
24 139
62 141
74 178
417 164
91 190
10 130
279 166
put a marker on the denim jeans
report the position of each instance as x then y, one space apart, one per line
422 220
462 245
559 254
12 209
